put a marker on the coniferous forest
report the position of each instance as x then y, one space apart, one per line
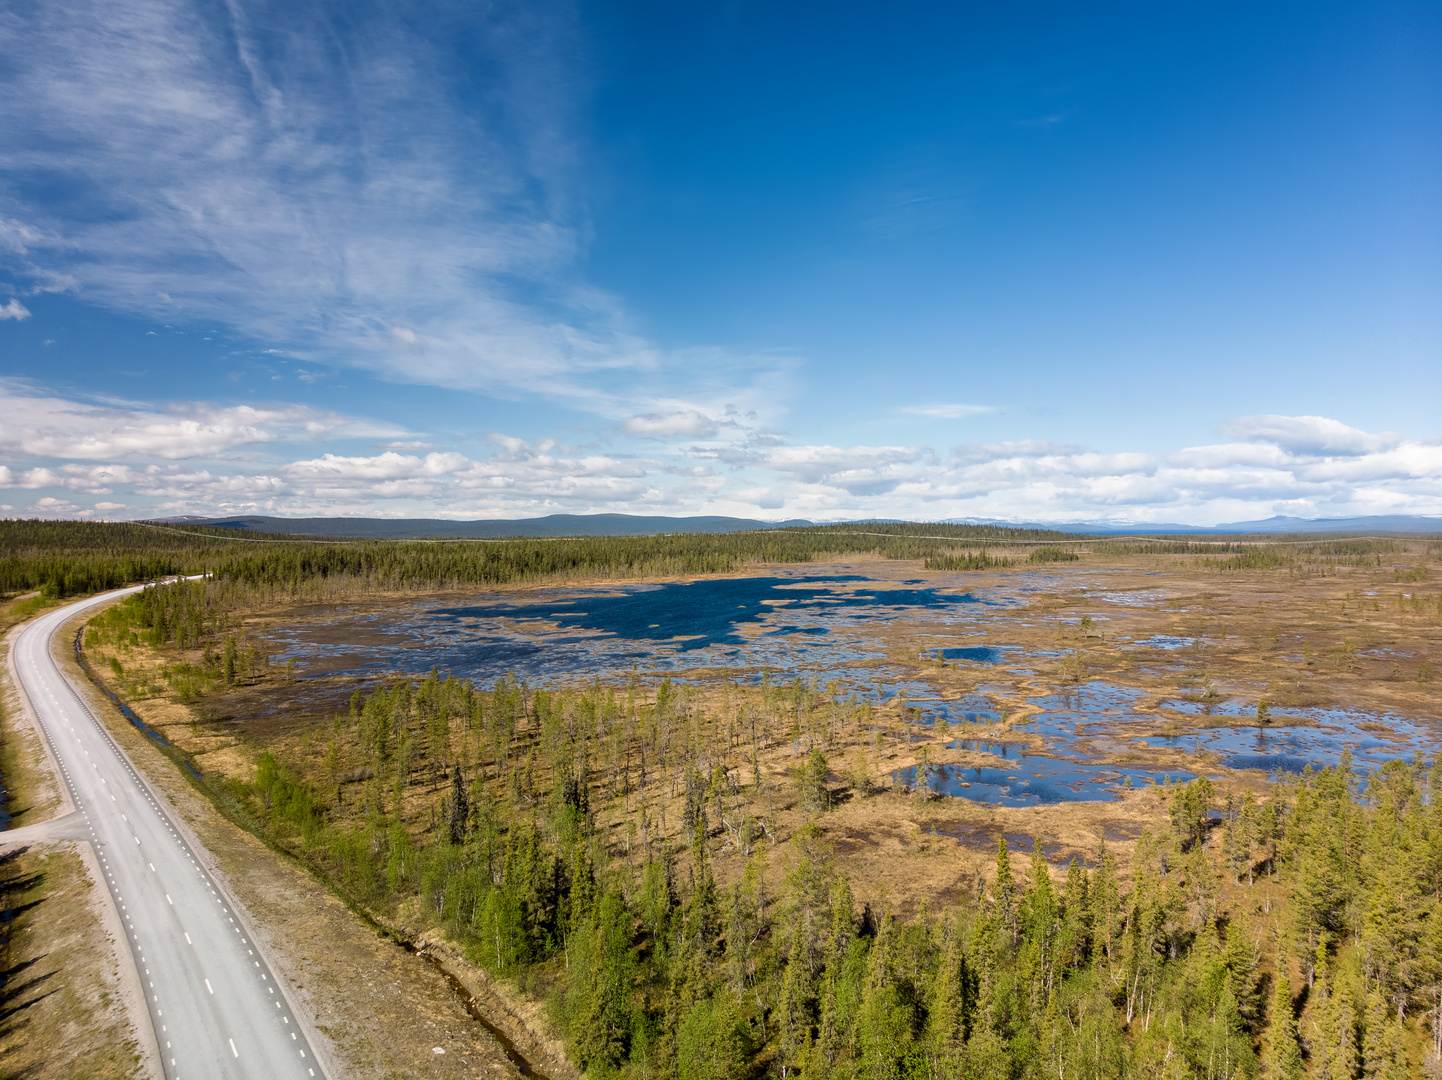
1318 903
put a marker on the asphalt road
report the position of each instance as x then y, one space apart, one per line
216 1007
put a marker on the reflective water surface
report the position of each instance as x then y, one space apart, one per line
825 626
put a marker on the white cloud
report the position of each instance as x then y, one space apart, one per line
1036 480
51 507
1308 435
520 478
14 310
945 411
689 423
387 466
857 470
1017 448
748 474
57 428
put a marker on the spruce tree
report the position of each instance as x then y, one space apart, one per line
795 1009
1383 1055
458 810
829 1036
1281 1055
1006 890
946 1018
884 1023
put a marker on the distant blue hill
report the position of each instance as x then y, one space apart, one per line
1396 523
1393 523
554 525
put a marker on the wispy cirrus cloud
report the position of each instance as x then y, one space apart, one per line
947 410
342 186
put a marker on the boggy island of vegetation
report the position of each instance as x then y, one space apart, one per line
880 801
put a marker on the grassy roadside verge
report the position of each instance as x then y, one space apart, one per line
380 1008
62 1013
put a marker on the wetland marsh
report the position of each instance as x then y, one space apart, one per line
482 764
913 645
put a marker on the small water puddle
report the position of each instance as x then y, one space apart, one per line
1162 641
976 654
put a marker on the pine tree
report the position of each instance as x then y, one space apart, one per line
1247 827
1073 942
1332 1038
1240 959
1105 899
702 916
601 1014
1383 1056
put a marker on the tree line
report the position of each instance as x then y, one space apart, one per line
71 558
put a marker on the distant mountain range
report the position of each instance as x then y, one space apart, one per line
554 525
632 525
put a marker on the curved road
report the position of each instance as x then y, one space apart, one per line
216 1007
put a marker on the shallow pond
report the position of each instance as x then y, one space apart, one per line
1082 728
1023 779
787 623
1161 641
828 626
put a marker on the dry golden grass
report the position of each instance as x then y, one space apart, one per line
62 1010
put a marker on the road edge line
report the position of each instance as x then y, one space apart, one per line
27 708
127 973
88 694
100 900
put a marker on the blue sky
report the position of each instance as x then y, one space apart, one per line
1133 262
